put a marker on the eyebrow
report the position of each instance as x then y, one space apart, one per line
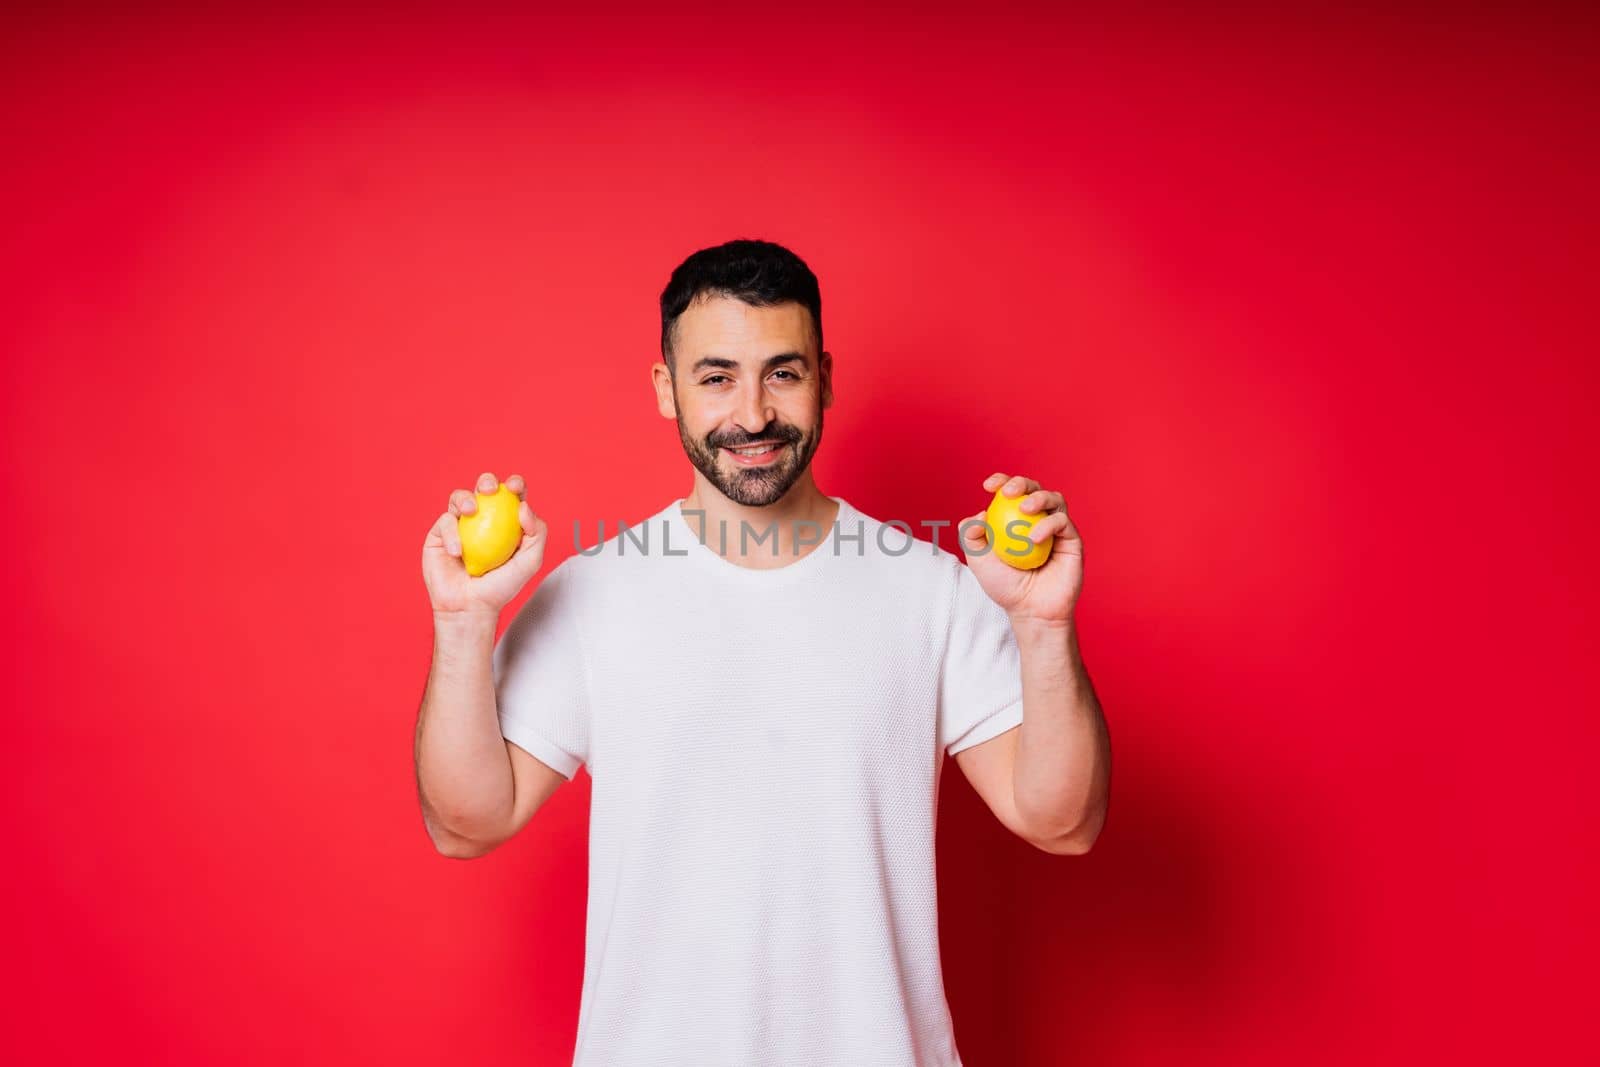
723 363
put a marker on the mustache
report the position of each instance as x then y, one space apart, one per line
787 436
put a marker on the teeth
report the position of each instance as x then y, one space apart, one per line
758 450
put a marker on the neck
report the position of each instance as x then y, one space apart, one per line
803 503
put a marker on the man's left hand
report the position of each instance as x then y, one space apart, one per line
1048 592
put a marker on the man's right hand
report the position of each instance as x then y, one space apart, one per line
452 590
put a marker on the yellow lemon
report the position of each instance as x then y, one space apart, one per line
491 534
1010 542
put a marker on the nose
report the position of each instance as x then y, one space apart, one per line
754 411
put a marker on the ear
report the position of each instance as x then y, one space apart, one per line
825 364
661 378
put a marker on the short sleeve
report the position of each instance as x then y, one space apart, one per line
541 680
980 677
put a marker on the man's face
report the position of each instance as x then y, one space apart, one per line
747 376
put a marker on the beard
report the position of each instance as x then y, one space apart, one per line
754 487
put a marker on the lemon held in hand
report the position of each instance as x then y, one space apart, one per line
491 534
1008 542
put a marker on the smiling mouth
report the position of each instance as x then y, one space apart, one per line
756 455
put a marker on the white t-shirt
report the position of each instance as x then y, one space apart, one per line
765 748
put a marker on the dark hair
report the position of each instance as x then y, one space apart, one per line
760 273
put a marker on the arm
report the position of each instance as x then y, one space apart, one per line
476 789
1048 780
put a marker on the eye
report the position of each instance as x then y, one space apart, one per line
714 379
790 373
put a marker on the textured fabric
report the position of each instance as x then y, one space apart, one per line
765 748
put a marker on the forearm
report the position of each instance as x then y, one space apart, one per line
1062 772
464 777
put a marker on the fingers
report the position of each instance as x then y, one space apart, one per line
1017 484
1013 485
445 529
1048 527
465 501
1042 500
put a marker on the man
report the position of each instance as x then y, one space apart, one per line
763 682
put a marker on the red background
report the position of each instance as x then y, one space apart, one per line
1296 310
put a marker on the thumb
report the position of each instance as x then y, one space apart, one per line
532 523
534 536
974 534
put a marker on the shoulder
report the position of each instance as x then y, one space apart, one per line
917 552
598 559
